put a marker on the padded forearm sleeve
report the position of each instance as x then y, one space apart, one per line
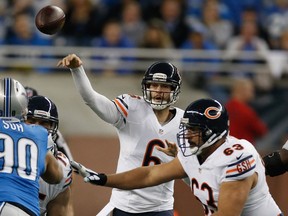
273 164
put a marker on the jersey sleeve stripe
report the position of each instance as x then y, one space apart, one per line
235 169
67 182
241 173
122 101
241 167
121 106
239 161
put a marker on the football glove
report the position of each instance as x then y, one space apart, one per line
88 174
274 165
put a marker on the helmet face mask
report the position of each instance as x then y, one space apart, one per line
165 74
190 139
13 99
205 118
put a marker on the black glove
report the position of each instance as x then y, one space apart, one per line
88 174
274 165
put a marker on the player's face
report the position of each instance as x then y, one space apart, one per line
160 92
41 122
193 136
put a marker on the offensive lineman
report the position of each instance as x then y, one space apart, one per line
55 199
144 124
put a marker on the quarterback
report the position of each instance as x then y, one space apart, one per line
144 124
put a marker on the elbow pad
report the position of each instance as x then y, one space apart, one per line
274 165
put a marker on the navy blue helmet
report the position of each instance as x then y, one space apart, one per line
165 73
40 107
206 118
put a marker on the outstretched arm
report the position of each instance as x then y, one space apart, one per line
137 178
100 104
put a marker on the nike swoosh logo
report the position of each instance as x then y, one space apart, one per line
239 156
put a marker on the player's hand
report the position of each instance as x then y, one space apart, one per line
71 61
88 174
171 150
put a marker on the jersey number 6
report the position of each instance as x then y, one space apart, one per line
148 158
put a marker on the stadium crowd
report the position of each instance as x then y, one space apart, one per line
190 24
225 25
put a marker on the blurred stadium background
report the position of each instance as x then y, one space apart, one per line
208 65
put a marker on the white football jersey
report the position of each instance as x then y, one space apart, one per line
234 160
139 133
48 192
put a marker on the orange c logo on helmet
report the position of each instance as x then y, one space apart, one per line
215 116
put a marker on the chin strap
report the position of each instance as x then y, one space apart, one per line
210 142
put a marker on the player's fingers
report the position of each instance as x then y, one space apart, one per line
59 63
164 150
67 61
79 62
159 148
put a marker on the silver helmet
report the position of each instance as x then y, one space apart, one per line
13 98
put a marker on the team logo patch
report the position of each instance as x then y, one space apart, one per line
212 112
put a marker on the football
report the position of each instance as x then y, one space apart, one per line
50 19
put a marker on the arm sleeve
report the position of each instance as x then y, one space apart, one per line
100 104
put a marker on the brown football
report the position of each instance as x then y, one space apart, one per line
50 19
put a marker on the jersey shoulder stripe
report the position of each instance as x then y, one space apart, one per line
241 167
122 106
68 181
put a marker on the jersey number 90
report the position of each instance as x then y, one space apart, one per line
21 158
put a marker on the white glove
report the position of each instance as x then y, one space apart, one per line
88 174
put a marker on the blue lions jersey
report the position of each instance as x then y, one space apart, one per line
23 149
